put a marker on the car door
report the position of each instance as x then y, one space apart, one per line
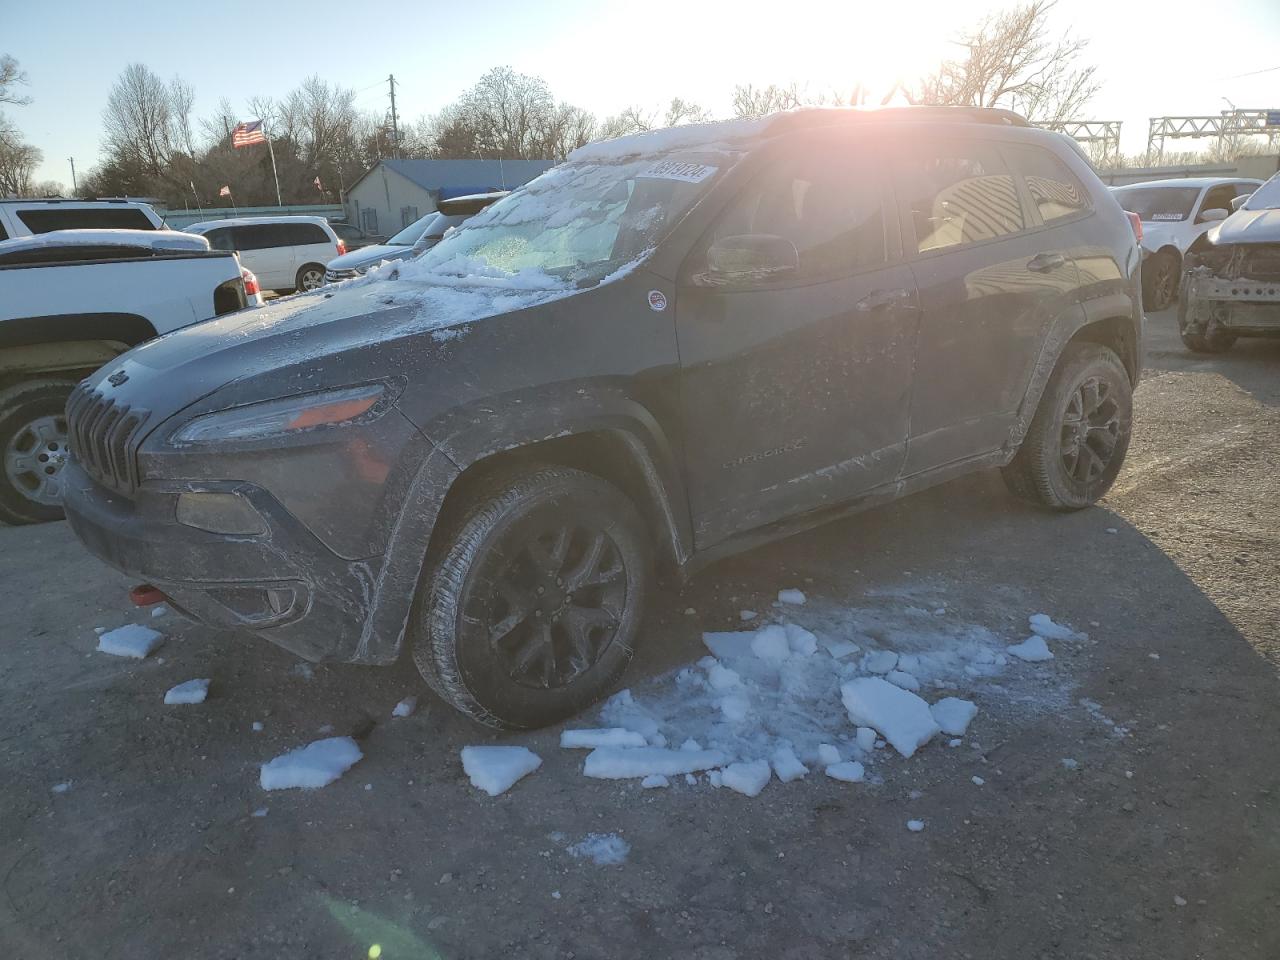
264 250
991 278
794 387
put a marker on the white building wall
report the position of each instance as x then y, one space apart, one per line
387 194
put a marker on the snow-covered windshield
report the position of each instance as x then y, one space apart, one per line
582 220
1266 197
413 232
1158 203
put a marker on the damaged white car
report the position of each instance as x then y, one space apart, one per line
1231 281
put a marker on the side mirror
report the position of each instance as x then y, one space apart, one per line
749 258
1212 214
1238 202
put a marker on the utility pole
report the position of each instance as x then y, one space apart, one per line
395 124
74 187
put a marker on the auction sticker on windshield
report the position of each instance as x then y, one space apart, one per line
679 170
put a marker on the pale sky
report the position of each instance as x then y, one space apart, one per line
1172 57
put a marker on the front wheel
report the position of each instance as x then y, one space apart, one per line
529 611
310 277
33 444
1080 433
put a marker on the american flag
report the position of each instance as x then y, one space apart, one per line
248 133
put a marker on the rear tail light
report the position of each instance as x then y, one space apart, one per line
342 248
250 282
1135 222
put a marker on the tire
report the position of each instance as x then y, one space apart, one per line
1160 276
496 630
1212 340
1080 433
33 448
310 277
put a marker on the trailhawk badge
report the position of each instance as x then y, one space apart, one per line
657 300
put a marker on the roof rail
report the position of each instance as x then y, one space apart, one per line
830 116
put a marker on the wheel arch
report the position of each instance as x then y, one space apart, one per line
67 344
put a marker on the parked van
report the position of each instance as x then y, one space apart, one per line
285 253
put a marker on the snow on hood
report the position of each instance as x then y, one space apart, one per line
1248 226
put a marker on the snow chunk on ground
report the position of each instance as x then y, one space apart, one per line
747 778
159 611
792 596
787 765
405 707
728 646
771 643
260 812
1043 626
880 661
654 780
495 769
977 781
953 715
719 676
902 718
315 765
746 615
257 726
1033 649
803 642
193 691
623 763
1070 763
850 771
915 826
61 787
602 849
904 680
590 739
839 649
131 640
827 754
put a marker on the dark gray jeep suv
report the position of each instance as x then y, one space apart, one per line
672 346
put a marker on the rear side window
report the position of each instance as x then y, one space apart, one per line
828 205
301 234
1056 193
957 194
259 236
92 218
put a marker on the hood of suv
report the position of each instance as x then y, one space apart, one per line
1248 226
366 257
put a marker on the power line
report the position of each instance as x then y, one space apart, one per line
1251 73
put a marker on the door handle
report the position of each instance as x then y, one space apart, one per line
899 298
1044 262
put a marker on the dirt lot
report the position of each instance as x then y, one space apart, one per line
1162 843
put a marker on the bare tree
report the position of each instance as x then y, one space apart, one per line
18 162
1014 59
750 102
138 121
182 98
10 76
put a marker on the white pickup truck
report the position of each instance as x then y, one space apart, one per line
70 301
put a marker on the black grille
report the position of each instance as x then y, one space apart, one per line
104 436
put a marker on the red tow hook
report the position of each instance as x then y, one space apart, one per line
145 595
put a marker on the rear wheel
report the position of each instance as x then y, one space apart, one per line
1160 280
1079 435
33 449
529 611
310 277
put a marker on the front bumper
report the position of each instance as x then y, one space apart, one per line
1242 306
284 584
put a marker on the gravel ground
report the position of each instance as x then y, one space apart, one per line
1163 843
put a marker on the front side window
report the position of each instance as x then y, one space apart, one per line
958 194
1218 198
1054 190
827 205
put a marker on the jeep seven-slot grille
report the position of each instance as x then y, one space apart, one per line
104 436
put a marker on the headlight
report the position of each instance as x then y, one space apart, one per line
286 415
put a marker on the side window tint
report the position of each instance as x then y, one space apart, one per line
258 236
220 239
1054 190
828 206
3 234
957 194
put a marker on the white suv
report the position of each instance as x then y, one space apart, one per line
285 253
25 218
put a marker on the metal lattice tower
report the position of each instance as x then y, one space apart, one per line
1105 132
1228 123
